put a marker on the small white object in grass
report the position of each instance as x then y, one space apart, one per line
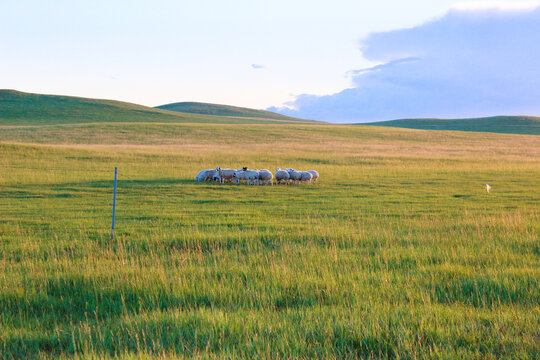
488 187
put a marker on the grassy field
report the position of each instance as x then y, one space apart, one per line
496 124
398 252
224 110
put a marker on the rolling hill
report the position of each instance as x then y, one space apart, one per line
28 109
19 108
224 110
497 124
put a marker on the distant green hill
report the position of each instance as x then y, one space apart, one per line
225 110
496 124
19 108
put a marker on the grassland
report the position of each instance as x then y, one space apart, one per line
398 252
224 110
19 108
495 124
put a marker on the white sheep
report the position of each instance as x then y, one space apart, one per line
315 175
205 175
488 188
294 175
282 176
266 176
305 176
252 177
239 176
249 176
225 174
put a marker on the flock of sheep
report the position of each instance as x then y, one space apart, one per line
257 177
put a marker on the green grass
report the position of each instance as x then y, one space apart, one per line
18 108
398 252
224 110
496 124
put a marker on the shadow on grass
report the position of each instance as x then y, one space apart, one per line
66 302
66 307
125 184
486 292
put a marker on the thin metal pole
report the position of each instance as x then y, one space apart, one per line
113 204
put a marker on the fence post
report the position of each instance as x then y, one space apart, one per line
113 204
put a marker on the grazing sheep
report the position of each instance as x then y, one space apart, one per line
294 176
249 176
266 176
315 175
305 176
257 177
205 175
239 176
225 175
282 176
488 188
252 177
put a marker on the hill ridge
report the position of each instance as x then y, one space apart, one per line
204 108
502 124
23 108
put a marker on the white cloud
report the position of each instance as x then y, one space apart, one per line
468 63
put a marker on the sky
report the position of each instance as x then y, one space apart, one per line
342 61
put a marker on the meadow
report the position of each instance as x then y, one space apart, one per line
398 252
496 124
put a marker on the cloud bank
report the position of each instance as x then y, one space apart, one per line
471 62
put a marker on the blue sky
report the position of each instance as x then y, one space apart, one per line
310 56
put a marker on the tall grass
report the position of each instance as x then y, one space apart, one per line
398 252
496 124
